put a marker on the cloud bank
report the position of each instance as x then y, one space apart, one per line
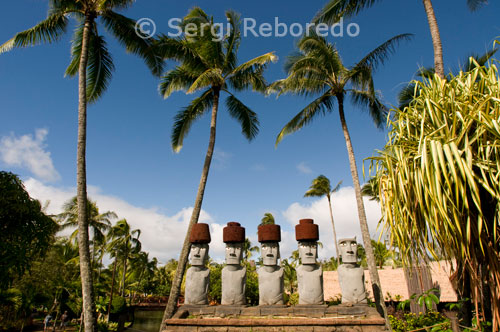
29 152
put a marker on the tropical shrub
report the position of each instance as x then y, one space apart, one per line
438 180
411 321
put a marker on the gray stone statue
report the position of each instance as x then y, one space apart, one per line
233 274
309 272
197 276
351 275
270 274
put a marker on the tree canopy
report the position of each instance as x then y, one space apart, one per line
25 230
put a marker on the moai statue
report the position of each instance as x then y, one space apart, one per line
233 274
270 274
351 275
197 276
309 272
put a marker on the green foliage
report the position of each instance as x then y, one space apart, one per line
293 299
119 305
25 231
411 321
381 253
252 287
268 219
428 298
208 65
215 287
438 176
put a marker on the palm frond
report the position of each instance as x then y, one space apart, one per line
368 99
176 79
407 94
211 77
185 118
319 106
252 77
100 63
244 115
233 40
476 4
381 53
336 9
260 60
181 51
47 31
123 28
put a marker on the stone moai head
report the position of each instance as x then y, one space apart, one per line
307 234
308 252
199 238
269 236
233 236
348 250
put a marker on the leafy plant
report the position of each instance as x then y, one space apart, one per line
411 321
428 298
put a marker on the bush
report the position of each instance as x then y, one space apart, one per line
118 305
411 321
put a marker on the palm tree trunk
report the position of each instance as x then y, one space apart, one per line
334 232
112 288
181 267
365 232
83 227
124 272
436 38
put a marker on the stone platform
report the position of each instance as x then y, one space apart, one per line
307 318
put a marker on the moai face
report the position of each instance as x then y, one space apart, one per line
348 250
199 254
308 252
270 252
234 253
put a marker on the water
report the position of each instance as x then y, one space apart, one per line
146 321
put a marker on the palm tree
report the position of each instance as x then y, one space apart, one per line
99 223
267 219
208 64
336 9
321 187
94 65
248 249
318 68
124 242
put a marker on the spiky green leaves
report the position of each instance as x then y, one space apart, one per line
318 69
208 62
100 63
47 31
123 29
320 187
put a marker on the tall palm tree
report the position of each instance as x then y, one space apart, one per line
94 65
336 9
248 249
99 223
321 187
318 69
208 64
124 243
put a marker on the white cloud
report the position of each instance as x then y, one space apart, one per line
221 159
29 152
303 168
345 214
161 235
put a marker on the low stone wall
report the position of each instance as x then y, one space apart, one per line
307 318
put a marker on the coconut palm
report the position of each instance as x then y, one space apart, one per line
208 64
268 219
124 243
99 223
321 187
318 69
334 10
248 249
93 63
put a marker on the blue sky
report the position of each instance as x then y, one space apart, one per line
131 166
